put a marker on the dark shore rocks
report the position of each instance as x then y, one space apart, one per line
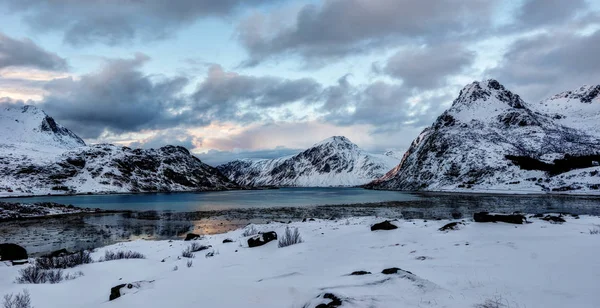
487 217
360 273
261 239
451 226
554 219
191 236
384 225
10 252
227 240
394 270
334 301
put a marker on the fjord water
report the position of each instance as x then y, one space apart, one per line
221 200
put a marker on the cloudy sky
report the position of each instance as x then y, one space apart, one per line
264 78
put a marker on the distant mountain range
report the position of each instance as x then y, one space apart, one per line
491 140
335 161
39 156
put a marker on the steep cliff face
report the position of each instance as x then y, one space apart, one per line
39 156
335 161
490 140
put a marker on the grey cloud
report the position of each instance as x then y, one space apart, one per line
217 157
384 105
169 137
428 66
224 95
544 12
118 98
25 53
546 64
341 27
117 22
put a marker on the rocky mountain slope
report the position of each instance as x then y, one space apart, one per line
579 109
335 161
490 140
40 157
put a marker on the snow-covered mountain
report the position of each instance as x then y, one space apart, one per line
39 156
335 161
490 140
31 131
579 109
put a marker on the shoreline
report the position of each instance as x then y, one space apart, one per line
455 192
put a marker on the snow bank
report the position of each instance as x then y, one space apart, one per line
533 265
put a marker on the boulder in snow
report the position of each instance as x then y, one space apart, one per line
384 225
122 289
261 239
10 252
451 226
191 236
511 219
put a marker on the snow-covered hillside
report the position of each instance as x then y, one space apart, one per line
490 140
579 109
335 161
29 130
39 156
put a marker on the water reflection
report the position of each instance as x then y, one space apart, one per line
89 231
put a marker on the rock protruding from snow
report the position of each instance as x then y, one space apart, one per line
490 140
335 161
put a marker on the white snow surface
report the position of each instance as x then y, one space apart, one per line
532 265
335 161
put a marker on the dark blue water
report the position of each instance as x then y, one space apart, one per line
201 201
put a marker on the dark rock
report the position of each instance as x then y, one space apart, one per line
261 239
384 225
538 216
191 236
393 270
10 252
227 240
115 292
554 219
450 226
511 219
312 219
360 273
335 301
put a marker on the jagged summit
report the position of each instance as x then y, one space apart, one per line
490 91
28 125
491 140
335 161
336 141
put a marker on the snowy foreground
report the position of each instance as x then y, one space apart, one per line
532 265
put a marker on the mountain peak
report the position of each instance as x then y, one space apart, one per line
486 90
585 94
335 141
